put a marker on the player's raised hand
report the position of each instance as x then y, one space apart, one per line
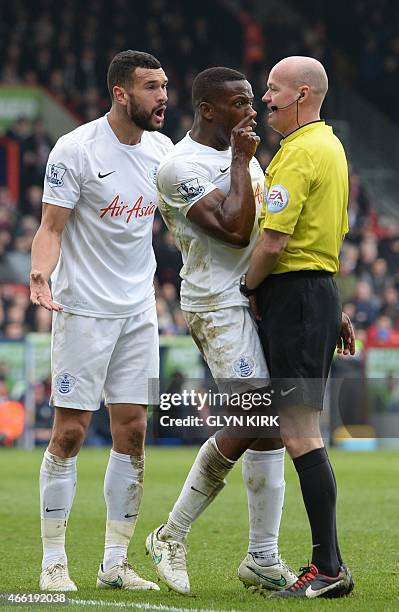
243 138
40 293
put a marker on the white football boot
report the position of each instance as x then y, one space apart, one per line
271 577
169 558
123 576
56 578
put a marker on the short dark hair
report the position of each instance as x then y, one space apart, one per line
208 84
123 65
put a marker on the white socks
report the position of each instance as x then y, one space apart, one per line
57 491
123 490
263 474
204 481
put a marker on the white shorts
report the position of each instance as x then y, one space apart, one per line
91 356
229 342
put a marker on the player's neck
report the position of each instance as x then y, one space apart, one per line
124 129
201 135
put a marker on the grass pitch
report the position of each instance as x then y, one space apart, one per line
368 511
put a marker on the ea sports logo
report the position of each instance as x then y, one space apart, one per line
277 199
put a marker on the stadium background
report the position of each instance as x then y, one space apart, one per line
52 77
54 61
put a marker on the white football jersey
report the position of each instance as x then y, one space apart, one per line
107 263
211 268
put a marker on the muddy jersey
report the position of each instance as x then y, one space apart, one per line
211 268
106 266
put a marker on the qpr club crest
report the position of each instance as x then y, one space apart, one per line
152 175
55 175
65 383
190 189
244 367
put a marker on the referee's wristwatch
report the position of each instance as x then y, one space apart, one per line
243 287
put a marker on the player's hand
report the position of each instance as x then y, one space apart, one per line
346 340
40 293
253 306
243 140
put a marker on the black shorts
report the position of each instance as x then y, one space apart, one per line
301 321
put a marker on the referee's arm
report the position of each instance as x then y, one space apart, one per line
266 254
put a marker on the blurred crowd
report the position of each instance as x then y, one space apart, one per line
377 61
368 279
67 48
359 40
67 51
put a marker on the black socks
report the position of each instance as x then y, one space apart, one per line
319 493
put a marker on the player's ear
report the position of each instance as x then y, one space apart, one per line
206 110
119 94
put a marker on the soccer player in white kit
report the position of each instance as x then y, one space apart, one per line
95 241
211 195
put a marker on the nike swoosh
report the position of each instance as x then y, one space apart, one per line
198 491
104 175
284 393
54 509
281 582
225 170
114 583
312 593
157 558
130 515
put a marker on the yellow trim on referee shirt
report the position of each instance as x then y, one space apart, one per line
306 196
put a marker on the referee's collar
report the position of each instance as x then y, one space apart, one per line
301 130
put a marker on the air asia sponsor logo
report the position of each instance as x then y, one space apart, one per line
277 199
258 194
118 208
55 175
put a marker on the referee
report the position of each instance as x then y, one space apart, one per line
302 227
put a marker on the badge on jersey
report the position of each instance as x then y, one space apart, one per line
190 189
244 367
55 175
277 199
152 174
65 383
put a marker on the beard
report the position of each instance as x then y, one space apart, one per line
141 117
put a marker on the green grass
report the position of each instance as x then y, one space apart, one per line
368 511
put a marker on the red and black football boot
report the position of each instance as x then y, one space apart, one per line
312 584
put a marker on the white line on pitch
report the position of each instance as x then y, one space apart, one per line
135 606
